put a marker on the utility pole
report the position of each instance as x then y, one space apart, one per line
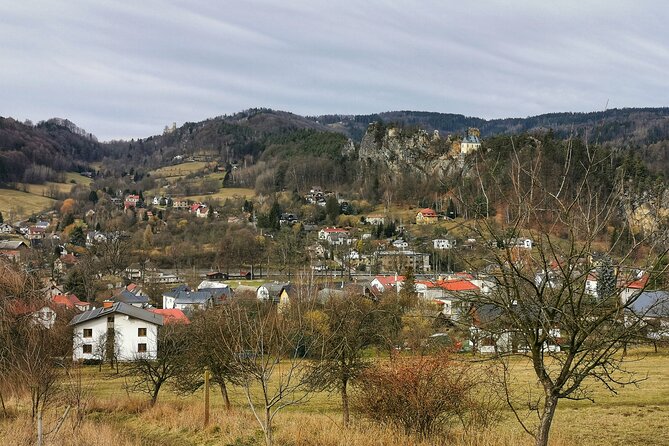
206 396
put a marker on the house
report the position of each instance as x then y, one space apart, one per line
180 204
288 219
426 216
135 299
94 237
63 263
36 233
13 249
6 228
275 292
398 260
522 243
334 236
70 301
375 219
653 308
131 201
171 316
129 332
156 201
202 211
442 243
382 284
633 286
184 299
219 291
216 275
400 244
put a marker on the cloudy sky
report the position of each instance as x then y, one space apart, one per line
124 69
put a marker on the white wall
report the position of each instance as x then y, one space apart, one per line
126 338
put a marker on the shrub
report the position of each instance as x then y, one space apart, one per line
423 395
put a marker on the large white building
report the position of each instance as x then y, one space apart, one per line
119 328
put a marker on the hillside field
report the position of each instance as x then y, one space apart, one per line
636 416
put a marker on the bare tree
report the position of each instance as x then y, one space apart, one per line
205 350
148 375
267 346
541 308
345 328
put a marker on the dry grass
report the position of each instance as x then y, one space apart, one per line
179 170
225 192
16 205
635 417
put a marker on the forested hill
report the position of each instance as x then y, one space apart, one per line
628 127
35 153
42 152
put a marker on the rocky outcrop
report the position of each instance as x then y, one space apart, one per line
398 150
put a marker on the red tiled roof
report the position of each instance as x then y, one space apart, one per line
389 280
427 212
639 284
68 300
171 316
330 230
458 285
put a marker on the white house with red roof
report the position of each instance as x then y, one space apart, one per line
131 201
382 284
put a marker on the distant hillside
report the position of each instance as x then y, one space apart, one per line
34 154
631 127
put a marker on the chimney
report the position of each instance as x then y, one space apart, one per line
107 303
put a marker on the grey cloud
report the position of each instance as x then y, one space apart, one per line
125 69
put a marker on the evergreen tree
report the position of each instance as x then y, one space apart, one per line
93 197
332 209
2 220
77 236
451 211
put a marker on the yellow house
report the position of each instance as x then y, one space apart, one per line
426 216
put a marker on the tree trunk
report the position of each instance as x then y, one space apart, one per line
40 435
4 409
546 421
224 394
344 402
269 440
154 395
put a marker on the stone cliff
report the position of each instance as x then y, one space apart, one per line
401 150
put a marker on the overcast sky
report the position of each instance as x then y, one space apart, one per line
124 69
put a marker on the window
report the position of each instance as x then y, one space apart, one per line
141 332
88 332
88 348
141 348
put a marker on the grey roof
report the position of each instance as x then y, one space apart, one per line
130 298
217 293
12 244
174 292
120 308
191 297
651 304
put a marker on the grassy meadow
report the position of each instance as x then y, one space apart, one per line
34 198
636 416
